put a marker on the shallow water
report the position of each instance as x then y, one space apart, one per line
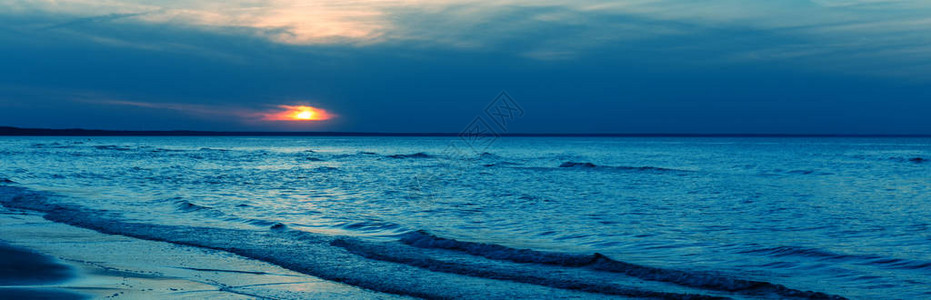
841 216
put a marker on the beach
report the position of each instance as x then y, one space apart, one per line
40 259
22 270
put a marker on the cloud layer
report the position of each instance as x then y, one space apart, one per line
615 66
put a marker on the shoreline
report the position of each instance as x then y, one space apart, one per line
77 263
234 264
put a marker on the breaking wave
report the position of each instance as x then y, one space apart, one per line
600 262
431 267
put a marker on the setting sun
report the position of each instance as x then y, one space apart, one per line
304 115
298 113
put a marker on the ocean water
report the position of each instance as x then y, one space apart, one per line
755 218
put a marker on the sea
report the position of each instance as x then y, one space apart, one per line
439 217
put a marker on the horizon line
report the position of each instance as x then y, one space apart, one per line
17 131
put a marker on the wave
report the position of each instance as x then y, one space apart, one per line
916 159
412 155
260 222
795 251
796 172
503 163
186 206
801 172
357 154
886 262
601 262
326 169
189 207
162 150
55 145
375 226
316 254
421 265
488 155
112 147
394 253
570 164
588 165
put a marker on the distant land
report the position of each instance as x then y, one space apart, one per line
16 131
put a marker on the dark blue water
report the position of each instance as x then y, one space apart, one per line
710 216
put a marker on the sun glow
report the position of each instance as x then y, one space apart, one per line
298 113
304 115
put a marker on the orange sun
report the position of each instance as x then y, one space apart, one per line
298 113
304 115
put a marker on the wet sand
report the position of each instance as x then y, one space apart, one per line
21 269
40 259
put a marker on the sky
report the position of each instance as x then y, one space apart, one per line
573 66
